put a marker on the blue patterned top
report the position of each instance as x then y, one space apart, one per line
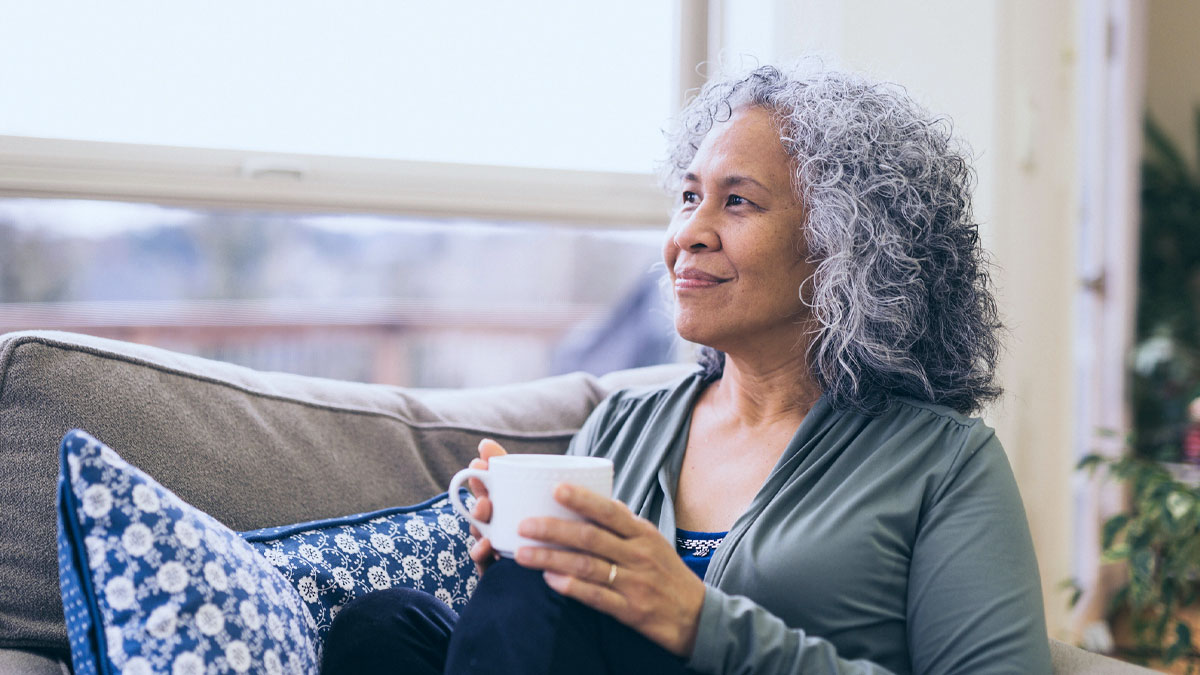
696 548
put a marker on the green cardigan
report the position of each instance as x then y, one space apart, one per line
895 543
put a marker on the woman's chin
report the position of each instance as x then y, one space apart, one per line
701 335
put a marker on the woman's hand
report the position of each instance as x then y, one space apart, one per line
482 552
652 591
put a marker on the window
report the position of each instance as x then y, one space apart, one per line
510 146
536 110
538 83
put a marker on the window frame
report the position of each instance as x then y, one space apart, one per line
207 178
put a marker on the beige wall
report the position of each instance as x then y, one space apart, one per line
1173 69
1005 71
1034 240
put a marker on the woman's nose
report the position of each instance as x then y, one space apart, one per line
696 230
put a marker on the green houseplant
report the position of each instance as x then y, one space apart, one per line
1166 374
1158 537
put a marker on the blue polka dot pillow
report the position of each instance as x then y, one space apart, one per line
330 562
151 584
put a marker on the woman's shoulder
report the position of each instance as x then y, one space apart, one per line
629 397
954 444
916 409
637 418
915 433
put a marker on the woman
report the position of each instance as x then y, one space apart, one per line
819 473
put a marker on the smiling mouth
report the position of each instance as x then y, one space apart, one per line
696 280
696 284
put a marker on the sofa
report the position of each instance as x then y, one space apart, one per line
254 450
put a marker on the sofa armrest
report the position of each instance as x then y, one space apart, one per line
1066 659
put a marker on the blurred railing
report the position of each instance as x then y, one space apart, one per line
386 340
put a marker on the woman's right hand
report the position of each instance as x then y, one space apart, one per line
482 552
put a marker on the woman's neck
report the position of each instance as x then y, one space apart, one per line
757 394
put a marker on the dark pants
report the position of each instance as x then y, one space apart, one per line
514 623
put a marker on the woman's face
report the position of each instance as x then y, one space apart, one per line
735 251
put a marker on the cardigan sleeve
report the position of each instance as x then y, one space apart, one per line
738 637
974 592
974 600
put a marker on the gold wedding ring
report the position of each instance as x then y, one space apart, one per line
612 573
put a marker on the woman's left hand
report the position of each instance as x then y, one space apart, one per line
653 591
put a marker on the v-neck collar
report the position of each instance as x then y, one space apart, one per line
671 466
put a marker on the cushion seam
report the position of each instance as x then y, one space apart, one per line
281 531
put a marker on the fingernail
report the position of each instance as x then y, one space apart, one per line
565 491
524 555
553 580
527 528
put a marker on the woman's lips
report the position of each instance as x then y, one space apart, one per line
692 279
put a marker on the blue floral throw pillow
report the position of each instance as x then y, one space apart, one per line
330 562
153 585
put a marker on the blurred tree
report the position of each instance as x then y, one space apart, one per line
233 248
33 268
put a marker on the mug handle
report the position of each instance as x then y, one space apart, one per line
456 498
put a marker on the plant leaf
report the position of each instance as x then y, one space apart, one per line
1162 153
1182 644
1089 462
1113 527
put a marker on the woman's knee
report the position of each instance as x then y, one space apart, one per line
515 623
384 630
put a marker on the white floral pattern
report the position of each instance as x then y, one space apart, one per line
150 579
331 562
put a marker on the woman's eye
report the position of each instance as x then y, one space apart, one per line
735 200
690 197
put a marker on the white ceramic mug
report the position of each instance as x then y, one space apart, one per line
522 486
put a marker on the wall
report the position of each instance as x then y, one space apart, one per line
1034 241
1173 77
1005 72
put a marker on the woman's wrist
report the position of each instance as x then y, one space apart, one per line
689 623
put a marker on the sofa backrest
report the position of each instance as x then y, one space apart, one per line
253 449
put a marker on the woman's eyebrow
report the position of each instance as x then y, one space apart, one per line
729 181
735 180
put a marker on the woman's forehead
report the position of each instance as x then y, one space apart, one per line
744 148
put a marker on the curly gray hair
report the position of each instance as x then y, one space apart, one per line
901 291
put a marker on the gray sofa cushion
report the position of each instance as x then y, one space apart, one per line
252 449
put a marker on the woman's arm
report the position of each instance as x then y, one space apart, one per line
654 593
974 592
736 636
974 600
